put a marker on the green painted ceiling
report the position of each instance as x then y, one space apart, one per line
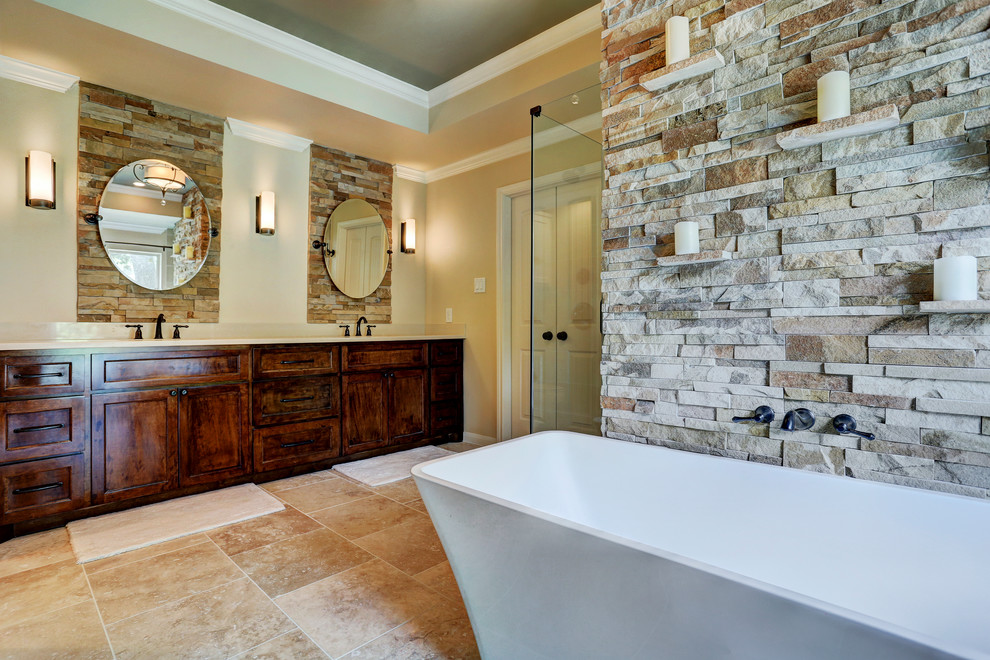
422 42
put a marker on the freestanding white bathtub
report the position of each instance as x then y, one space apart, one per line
571 546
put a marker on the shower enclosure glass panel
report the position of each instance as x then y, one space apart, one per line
564 329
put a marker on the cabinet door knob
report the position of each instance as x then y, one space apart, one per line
173 393
184 392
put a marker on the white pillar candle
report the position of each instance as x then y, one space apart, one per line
955 278
686 237
833 95
678 39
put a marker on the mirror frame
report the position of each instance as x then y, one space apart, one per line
333 251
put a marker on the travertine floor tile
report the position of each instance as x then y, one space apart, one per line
38 591
295 482
27 552
442 633
400 491
352 608
290 646
322 494
214 624
441 579
287 565
418 505
72 632
139 586
144 553
365 516
257 532
411 547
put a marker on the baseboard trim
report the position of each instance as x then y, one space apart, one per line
478 439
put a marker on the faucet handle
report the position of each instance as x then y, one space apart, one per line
367 329
137 329
347 330
762 415
175 333
846 425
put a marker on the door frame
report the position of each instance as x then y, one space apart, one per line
503 282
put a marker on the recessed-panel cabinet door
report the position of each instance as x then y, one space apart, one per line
213 431
364 415
134 444
407 389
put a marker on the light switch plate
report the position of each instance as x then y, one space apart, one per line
449 315
479 285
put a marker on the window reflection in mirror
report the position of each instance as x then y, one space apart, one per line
154 224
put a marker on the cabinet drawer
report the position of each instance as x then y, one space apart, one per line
295 400
42 427
120 371
445 383
445 352
42 375
41 488
366 357
445 416
297 361
296 444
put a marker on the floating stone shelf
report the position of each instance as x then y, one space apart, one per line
695 65
696 258
871 121
954 307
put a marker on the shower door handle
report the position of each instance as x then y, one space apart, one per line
548 335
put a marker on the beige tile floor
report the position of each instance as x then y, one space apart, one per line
344 572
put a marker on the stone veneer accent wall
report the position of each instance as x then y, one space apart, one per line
335 177
832 245
117 128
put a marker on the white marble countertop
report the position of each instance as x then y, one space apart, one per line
48 336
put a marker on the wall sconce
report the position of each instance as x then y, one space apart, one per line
39 180
407 236
264 213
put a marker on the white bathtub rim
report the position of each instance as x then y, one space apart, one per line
893 629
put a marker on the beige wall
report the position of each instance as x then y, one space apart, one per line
263 278
461 241
38 250
408 270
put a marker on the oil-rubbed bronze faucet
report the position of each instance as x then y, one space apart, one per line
158 326
357 331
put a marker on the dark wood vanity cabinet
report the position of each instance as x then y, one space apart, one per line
97 427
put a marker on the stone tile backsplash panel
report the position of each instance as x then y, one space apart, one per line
832 244
117 128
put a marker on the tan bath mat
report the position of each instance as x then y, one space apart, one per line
114 533
382 470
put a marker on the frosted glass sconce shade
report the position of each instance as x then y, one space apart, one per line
265 213
407 236
39 182
678 39
833 96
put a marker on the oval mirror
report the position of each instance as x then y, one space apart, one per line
357 248
154 224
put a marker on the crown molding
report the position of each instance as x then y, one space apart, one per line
410 174
39 76
268 136
518 147
575 27
283 42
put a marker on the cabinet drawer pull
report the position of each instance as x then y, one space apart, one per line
286 445
31 429
57 374
297 399
35 489
444 419
298 361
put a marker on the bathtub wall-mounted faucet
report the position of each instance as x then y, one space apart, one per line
799 419
762 415
846 425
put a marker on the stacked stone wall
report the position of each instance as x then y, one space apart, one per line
831 246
